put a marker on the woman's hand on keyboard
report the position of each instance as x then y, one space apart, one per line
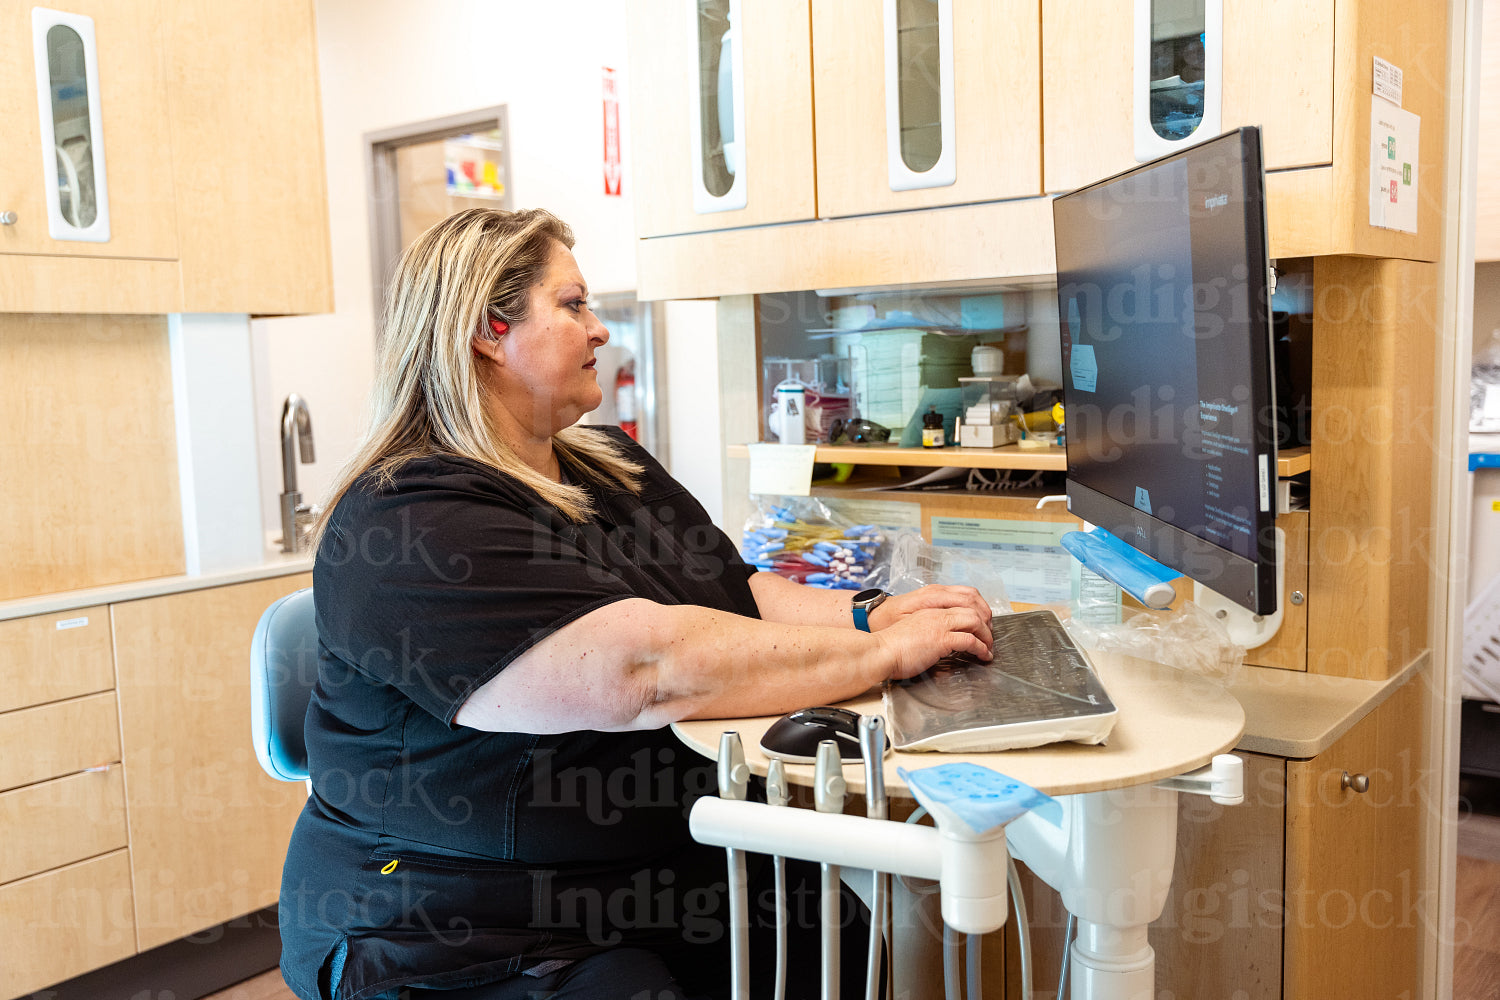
922 637
899 606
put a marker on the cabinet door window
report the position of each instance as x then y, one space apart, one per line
1178 74
718 108
919 93
67 73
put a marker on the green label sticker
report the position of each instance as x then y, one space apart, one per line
1390 147
1406 174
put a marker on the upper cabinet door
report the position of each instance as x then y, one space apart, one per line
1130 80
923 103
721 111
82 104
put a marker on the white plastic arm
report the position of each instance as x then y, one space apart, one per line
1223 780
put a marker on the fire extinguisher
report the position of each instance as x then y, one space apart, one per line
625 398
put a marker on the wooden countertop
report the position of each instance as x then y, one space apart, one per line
1289 713
1170 722
134 590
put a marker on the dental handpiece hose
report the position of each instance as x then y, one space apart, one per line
778 793
829 789
872 749
734 780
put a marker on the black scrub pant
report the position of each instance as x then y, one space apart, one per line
701 972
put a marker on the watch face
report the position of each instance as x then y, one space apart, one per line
866 596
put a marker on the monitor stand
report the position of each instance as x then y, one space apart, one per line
1245 627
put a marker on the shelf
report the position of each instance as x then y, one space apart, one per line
474 194
1293 461
1289 461
1008 457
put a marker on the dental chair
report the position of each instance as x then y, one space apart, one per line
283 670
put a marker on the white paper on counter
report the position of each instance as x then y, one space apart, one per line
1394 137
782 469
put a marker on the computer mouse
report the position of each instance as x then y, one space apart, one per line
794 738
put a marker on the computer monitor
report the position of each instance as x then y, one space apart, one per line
1162 288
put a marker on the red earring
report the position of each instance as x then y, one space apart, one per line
498 326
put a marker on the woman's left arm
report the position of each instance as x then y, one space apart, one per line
780 600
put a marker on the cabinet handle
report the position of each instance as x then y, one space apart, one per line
7 218
1355 782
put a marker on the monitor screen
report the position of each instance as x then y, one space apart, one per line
1166 350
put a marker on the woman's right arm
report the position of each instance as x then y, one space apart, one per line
636 664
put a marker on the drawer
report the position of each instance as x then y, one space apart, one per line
65 923
54 823
51 657
62 738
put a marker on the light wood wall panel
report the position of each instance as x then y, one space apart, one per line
1372 552
90 494
208 828
57 739
245 116
50 657
65 922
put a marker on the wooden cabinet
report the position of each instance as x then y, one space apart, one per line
212 138
132 100
996 129
246 118
1087 84
208 828
1487 180
80 886
64 877
1353 860
65 922
777 148
1306 889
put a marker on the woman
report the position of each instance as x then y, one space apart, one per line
510 609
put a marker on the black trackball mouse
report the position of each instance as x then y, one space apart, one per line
794 738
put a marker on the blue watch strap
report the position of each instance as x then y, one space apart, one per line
861 619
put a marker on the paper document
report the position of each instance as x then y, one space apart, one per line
782 469
1394 138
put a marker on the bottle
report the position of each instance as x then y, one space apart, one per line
625 398
932 429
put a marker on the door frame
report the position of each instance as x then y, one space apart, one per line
380 176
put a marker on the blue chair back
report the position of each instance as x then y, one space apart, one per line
283 669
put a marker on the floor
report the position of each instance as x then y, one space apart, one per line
1476 965
266 986
1476 952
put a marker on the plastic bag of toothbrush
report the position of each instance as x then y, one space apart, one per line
801 539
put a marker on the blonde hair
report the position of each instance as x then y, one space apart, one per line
428 395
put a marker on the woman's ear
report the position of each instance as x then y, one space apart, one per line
487 342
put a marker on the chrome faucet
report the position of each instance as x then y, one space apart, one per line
296 517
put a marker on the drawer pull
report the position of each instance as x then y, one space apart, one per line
1355 782
7 218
